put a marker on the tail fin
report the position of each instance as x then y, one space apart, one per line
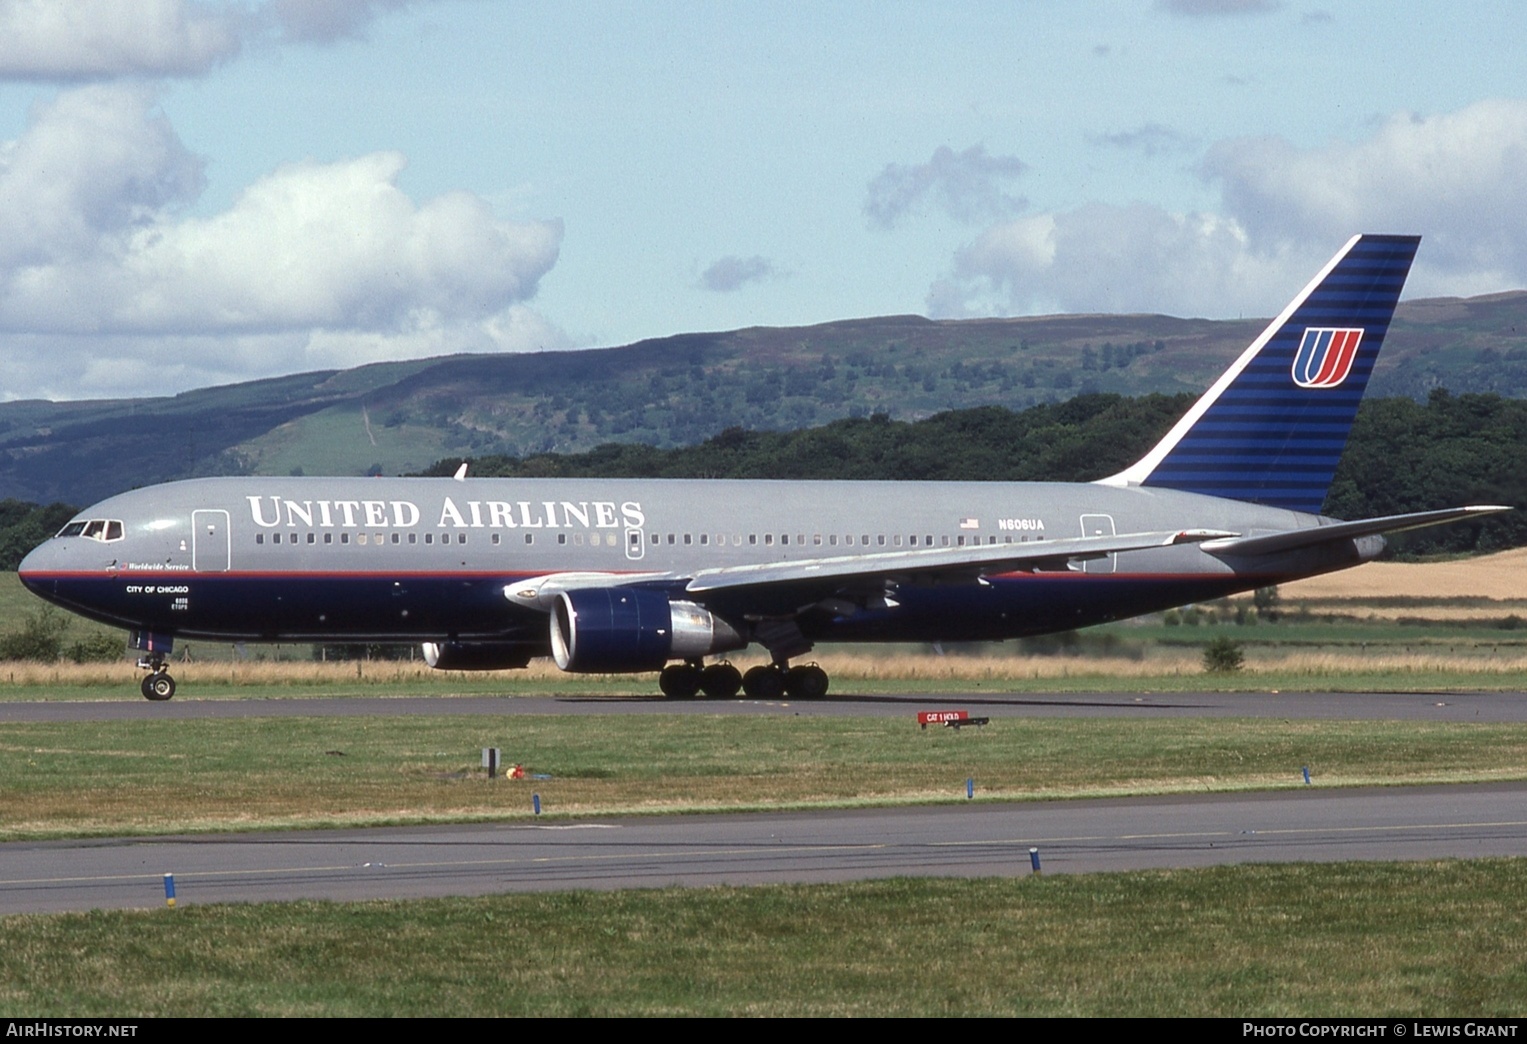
1272 428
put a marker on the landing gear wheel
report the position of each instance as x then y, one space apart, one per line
679 681
764 683
158 687
806 683
720 681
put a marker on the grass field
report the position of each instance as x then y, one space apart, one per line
1433 939
112 778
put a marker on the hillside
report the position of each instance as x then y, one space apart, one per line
398 417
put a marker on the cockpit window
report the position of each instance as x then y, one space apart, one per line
102 529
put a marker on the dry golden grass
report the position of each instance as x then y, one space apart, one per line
847 668
1502 577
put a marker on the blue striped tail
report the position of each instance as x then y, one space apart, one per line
1272 429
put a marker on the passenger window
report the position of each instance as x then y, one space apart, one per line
259 538
328 538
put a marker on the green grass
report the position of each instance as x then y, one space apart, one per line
1420 940
107 778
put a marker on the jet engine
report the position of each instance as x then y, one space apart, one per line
476 656
630 629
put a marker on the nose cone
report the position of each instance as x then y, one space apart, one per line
39 561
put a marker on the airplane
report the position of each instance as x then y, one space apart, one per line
649 575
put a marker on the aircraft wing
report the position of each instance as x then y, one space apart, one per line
1295 539
940 564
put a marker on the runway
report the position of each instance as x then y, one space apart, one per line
1370 706
954 841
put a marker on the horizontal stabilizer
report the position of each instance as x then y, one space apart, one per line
950 562
1300 538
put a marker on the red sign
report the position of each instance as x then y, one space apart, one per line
926 718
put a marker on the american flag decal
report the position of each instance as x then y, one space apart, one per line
1325 357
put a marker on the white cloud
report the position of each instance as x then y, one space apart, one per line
965 185
75 40
1103 258
325 21
1150 139
733 273
96 39
316 264
1454 178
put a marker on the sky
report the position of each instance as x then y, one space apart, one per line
195 193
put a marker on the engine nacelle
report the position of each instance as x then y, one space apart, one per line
619 629
476 656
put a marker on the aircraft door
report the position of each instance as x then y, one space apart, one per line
1099 526
211 546
636 544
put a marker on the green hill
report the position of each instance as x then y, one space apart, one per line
672 391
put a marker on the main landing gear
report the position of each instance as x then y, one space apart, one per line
158 685
721 681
